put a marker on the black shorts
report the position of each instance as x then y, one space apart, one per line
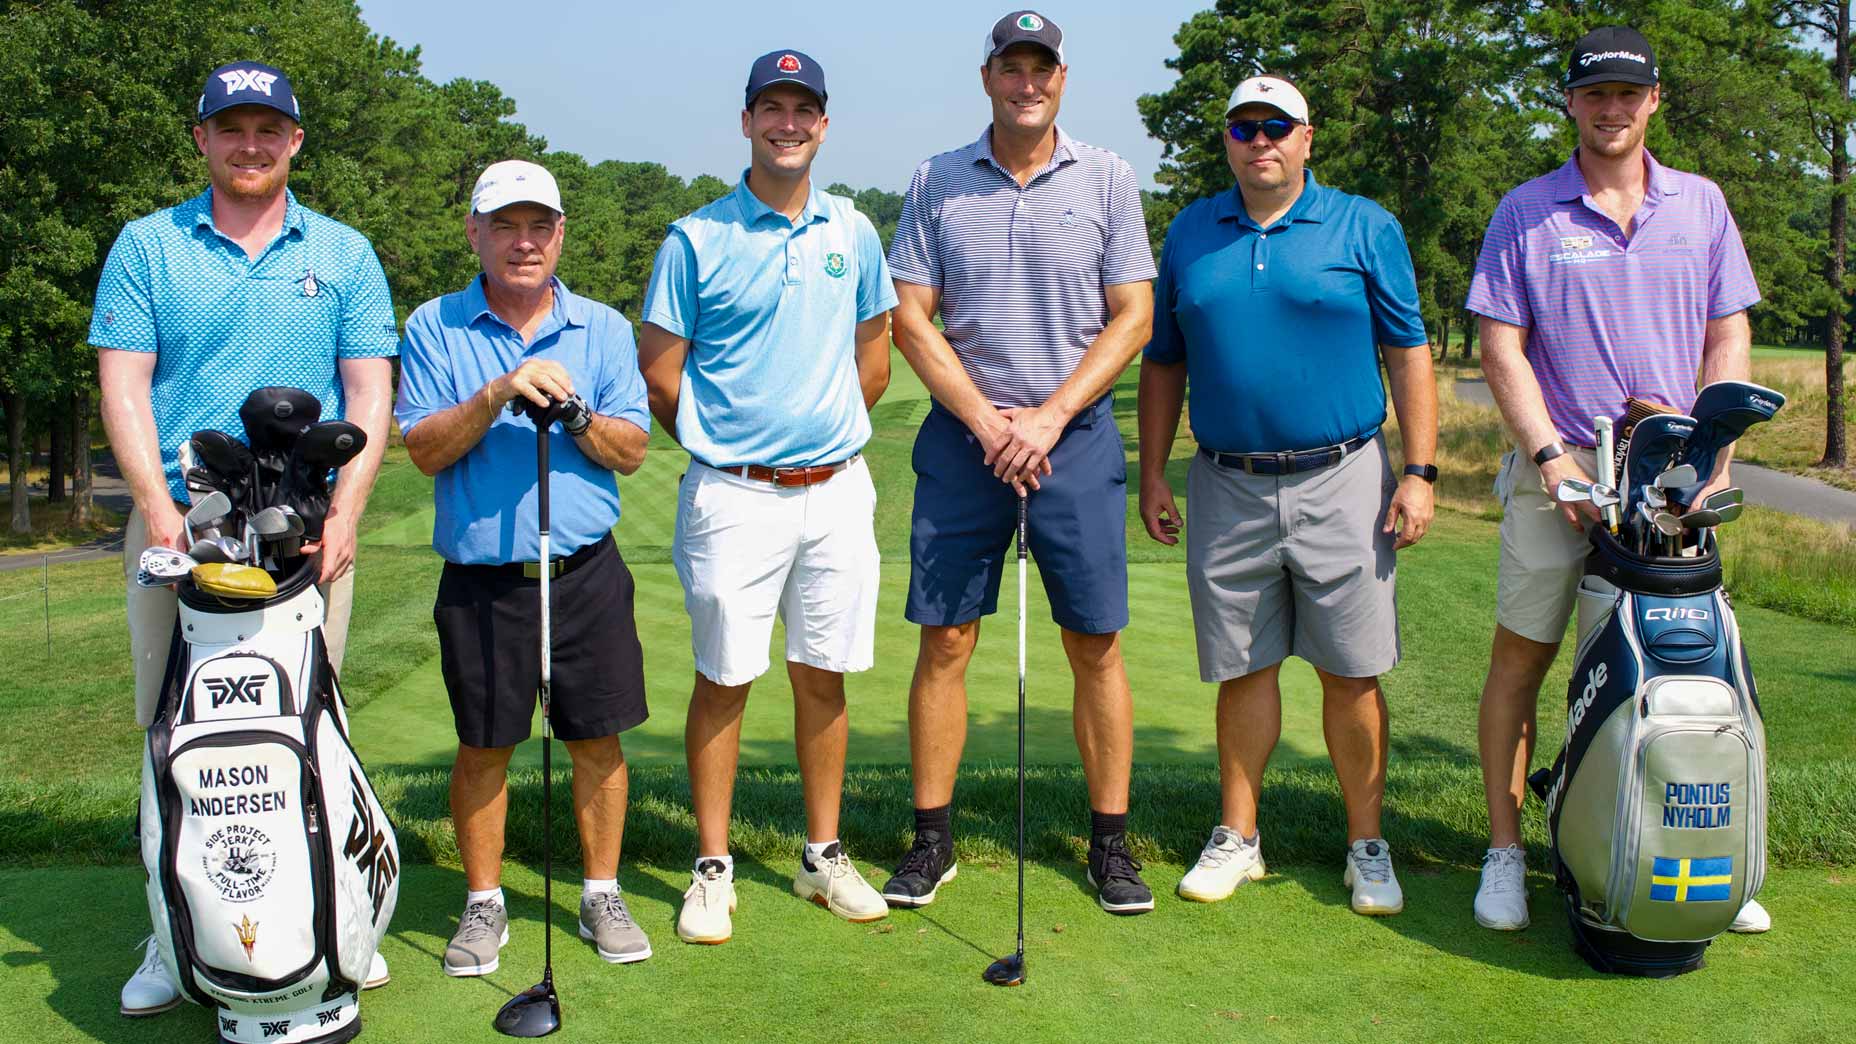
489 644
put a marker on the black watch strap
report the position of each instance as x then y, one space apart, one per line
1548 452
1427 472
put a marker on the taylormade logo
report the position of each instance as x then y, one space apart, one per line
1599 56
1594 681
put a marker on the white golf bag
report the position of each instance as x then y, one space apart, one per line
272 868
1657 803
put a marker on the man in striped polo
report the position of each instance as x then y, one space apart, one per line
1612 277
1031 247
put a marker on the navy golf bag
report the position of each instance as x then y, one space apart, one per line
1657 804
272 868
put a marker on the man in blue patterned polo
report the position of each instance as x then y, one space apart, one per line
238 288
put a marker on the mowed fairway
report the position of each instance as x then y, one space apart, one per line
1283 960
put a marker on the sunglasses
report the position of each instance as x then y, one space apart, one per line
1275 128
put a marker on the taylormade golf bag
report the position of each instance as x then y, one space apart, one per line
272 869
1657 804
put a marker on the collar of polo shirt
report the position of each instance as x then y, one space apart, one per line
1570 184
1309 206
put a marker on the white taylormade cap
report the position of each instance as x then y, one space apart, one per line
1271 91
514 181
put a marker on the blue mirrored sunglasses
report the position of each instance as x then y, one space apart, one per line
1275 128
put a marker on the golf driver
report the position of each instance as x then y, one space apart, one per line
1723 411
536 1011
1607 467
1010 970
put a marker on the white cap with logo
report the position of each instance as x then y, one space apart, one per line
1272 91
514 181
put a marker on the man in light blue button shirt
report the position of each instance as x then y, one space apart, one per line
516 333
766 340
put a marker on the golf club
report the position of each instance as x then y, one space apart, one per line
1573 491
160 566
536 1011
1708 518
1720 498
204 551
204 520
1010 970
1607 466
228 461
1723 411
1655 442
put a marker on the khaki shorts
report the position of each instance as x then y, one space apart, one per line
1542 557
154 610
1292 565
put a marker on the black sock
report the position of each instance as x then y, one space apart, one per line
939 820
1106 824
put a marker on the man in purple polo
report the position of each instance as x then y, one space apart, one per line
1609 278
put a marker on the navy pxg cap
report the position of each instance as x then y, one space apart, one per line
785 67
1611 54
248 83
1024 27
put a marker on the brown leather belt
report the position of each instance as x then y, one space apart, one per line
806 476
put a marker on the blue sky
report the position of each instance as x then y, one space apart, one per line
662 80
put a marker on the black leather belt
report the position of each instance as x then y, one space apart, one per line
559 567
1290 462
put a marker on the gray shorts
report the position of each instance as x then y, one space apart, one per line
1296 564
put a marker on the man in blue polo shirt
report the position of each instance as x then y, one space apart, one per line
238 288
766 341
1032 248
517 333
1275 303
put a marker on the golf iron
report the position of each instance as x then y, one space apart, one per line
1010 969
536 1011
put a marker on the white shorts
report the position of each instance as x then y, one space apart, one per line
747 549
1542 557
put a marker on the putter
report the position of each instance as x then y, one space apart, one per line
1723 411
536 1011
1607 466
1010 970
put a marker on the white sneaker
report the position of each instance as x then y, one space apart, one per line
707 905
836 885
1501 899
1752 919
377 975
1226 862
1369 874
151 990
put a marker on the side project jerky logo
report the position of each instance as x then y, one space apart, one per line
366 846
239 861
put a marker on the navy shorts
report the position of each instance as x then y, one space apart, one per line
1077 525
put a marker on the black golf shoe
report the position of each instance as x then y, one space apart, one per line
927 866
1117 877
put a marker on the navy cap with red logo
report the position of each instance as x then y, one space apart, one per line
785 67
247 83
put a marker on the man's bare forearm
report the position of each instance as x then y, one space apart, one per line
442 439
129 424
614 443
1162 397
1414 397
369 394
1107 358
1514 386
925 348
873 358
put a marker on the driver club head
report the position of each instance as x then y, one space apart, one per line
535 1012
1006 971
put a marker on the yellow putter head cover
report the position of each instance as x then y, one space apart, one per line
233 580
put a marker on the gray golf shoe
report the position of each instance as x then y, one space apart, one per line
606 923
482 931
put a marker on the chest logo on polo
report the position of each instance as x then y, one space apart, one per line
834 265
1576 242
310 287
1579 249
1068 218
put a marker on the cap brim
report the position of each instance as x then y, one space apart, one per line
1009 44
273 106
1268 105
1587 81
795 81
502 204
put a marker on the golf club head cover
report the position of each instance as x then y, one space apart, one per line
321 448
1723 411
275 416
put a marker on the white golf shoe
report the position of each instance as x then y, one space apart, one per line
707 905
1226 862
1752 919
150 991
1369 874
834 883
1501 899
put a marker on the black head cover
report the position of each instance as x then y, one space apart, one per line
274 417
535 1012
330 444
221 453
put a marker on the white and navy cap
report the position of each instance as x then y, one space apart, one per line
514 181
1611 54
1273 91
1024 27
247 83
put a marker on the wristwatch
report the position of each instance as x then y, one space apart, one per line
1427 472
1548 452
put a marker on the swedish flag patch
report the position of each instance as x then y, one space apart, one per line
1692 880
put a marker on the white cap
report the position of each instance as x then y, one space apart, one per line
1271 91
514 181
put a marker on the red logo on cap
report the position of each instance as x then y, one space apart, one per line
788 64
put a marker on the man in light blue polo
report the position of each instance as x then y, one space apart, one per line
766 341
1031 246
517 333
240 287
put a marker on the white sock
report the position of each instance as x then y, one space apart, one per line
727 861
495 895
589 886
815 850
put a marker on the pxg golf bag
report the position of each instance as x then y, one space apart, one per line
272 869
1657 804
